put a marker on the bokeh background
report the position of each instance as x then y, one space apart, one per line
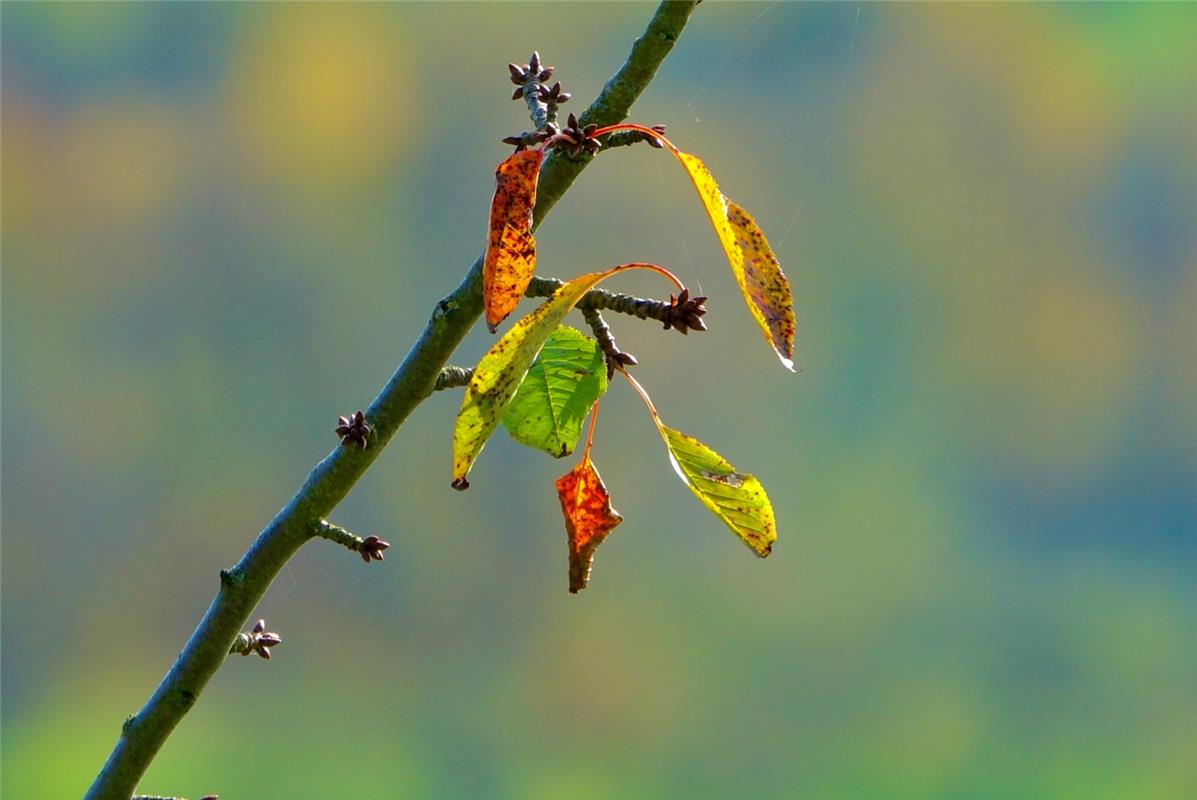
223 224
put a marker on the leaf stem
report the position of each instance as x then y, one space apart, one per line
590 434
648 401
642 129
651 267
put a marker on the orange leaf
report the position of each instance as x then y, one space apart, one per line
510 249
588 518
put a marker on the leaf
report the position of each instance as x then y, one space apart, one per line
501 370
499 373
562 384
765 287
510 248
735 497
589 517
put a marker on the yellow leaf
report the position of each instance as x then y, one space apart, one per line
765 287
735 497
501 370
510 248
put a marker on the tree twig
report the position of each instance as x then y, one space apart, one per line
615 358
601 299
370 548
243 584
452 377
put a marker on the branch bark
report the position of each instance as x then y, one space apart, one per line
244 584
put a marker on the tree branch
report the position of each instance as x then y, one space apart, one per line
452 377
244 584
369 548
603 300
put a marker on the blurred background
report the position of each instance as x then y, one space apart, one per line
223 224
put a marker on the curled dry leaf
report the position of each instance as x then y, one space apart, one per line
589 517
510 248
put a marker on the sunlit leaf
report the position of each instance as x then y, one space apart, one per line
735 497
500 371
498 375
589 517
510 248
562 384
764 285
757 271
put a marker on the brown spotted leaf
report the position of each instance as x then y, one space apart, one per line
510 248
499 374
589 517
765 287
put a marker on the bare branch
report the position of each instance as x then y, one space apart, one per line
244 584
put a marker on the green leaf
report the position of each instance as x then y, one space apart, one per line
562 384
501 370
736 498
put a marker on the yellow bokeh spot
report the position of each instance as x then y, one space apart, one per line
1052 80
320 92
1049 357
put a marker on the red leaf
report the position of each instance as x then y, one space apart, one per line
588 518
